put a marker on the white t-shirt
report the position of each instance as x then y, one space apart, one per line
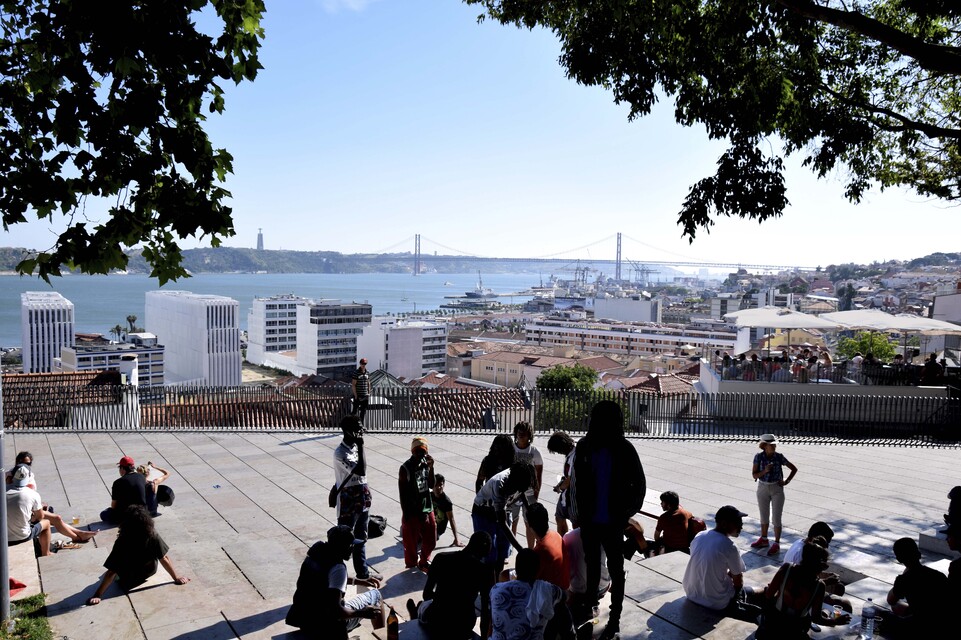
493 494
706 579
337 578
537 602
793 554
576 563
21 503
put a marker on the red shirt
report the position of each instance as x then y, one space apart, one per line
550 549
673 526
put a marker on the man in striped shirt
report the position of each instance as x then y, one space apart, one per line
361 387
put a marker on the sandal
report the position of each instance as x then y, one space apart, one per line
64 544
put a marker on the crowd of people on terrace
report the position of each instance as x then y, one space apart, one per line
815 365
559 576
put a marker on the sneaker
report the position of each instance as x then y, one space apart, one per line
372 574
774 550
411 609
760 543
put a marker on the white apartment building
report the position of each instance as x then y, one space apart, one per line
101 357
201 335
272 327
46 325
327 332
404 348
629 339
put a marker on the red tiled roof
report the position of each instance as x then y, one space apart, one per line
43 399
664 385
463 409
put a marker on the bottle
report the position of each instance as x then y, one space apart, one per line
393 625
868 614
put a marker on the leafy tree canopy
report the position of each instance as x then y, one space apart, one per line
102 105
575 378
869 88
865 343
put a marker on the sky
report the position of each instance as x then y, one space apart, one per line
375 120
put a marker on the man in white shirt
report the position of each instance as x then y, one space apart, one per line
25 512
714 577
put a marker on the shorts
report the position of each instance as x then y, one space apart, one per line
562 512
35 530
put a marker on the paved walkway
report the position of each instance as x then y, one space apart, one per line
249 505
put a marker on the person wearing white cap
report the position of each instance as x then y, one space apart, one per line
714 577
769 473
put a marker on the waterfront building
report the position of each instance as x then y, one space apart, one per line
626 338
46 324
404 348
327 332
272 328
143 348
201 335
634 308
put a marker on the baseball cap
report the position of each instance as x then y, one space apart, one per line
363 360
126 461
342 534
21 475
419 442
728 512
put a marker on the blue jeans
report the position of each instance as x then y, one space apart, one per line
358 523
360 601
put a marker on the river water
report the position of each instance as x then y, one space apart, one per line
100 302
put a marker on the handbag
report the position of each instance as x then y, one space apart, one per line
335 490
376 526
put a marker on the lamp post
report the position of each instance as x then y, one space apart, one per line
4 564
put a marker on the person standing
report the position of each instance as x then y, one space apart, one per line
560 442
608 487
769 473
360 384
525 451
353 500
130 489
414 482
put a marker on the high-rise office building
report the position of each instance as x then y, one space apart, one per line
201 334
46 327
272 326
327 332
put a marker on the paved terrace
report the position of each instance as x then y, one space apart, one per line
249 505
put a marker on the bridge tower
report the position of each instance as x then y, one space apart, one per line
417 254
617 264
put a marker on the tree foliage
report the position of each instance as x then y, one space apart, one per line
868 88
562 377
102 106
864 343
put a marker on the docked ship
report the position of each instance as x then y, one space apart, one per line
480 291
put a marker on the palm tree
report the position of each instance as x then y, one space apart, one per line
131 319
117 330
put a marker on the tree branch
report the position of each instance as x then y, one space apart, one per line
929 56
930 130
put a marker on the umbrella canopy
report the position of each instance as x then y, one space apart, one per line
779 318
877 320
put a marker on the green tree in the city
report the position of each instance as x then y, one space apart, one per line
576 377
102 107
867 90
864 343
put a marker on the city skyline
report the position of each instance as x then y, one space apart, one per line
376 120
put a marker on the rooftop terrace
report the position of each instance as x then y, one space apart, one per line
249 505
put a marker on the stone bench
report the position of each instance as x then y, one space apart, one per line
23 567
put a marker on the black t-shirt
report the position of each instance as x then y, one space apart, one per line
458 579
926 591
135 560
442 505
129 489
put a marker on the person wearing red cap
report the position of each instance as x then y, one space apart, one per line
415 481
129 489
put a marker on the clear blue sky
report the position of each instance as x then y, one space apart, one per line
374 120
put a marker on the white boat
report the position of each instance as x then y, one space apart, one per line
480 291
